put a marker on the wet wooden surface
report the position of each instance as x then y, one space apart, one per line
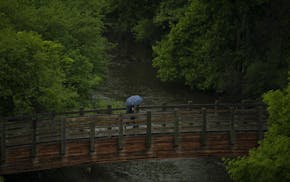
37 143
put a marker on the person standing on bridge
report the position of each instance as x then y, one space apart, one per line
132 102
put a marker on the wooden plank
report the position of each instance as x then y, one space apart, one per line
134 148
159 119
190 142
192 110
48 150
192 129
134 144
18 126
212 128
17 153
135 121
107 146
51 133
101 119
188 124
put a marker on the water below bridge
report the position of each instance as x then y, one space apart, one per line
132 78
139 78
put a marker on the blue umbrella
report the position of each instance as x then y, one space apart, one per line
134 100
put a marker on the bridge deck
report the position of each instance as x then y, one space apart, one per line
36 143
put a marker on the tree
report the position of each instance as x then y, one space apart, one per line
271 160
221 45
78 27
75 27
147 20
31 74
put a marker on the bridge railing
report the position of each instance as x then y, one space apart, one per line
98 124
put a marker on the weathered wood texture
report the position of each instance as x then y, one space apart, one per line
36 143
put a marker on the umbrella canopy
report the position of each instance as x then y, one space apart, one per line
134 100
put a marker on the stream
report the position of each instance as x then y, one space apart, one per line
139 78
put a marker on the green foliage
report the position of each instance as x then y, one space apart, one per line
186 52
271 160
125 14
279 111
134 18
144 30
103 103
226 46
148 20
72 31
31 73
169 12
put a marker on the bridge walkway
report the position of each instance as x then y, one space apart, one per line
55 140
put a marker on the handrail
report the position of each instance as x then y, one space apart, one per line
109 109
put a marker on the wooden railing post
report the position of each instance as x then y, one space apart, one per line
63 137
97 110
81 112
242 112
189 103
203 137
216 105
176 128
148 130
3 141
109 109
34 138
164 107
92 137
53 114
120 138
137 109
232 132
260 123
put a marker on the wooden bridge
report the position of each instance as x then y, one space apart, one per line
55 140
